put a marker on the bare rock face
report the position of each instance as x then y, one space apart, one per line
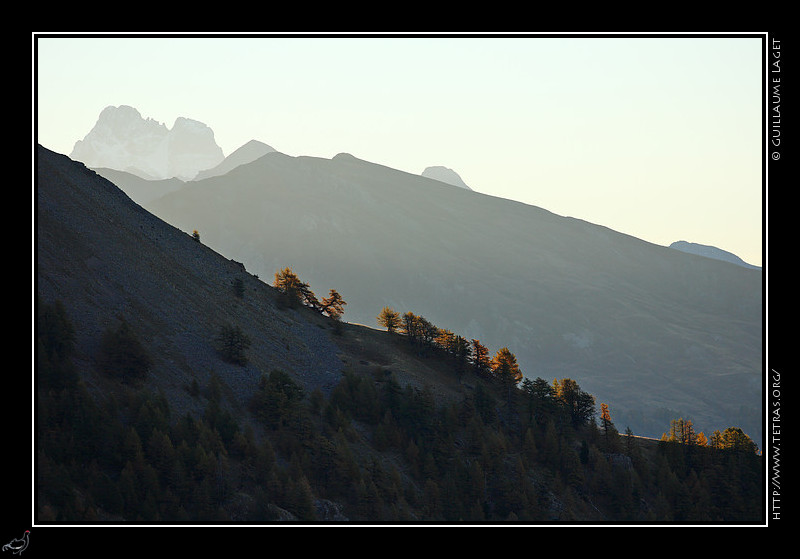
123 140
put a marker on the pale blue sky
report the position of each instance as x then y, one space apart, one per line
657 138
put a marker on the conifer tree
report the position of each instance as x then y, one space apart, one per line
630 442
445 339
505 368
682 431
308 298
427 332
333 305
462 351
540 398
610 433
292 290
578 404
233 343
389 319
735 439
480 358
410 326
122 355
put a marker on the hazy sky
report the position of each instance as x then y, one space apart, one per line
659 138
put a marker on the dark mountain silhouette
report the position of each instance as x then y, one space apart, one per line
710 252
653 332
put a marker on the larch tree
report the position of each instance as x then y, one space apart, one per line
605 419
506 370
682 431
610 432
445 339
735 439
389 319
294 291
290 286
333 305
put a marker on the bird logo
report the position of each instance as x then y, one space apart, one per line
18 545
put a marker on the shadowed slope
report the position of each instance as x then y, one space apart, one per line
108 260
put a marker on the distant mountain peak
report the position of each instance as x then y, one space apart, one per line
247 153
445 175
122 139
710 252
344 156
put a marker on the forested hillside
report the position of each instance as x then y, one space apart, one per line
374 450
172 386
651 327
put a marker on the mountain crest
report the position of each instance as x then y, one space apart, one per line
710 252
248 153
445 175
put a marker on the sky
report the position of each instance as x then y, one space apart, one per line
659 138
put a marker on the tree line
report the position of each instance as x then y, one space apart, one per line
682 431
538 393
295 292
467 354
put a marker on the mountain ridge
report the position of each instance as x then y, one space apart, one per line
709 251
602 297
203 439
336 220
246 153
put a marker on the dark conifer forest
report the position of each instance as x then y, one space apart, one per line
172 386
513 450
